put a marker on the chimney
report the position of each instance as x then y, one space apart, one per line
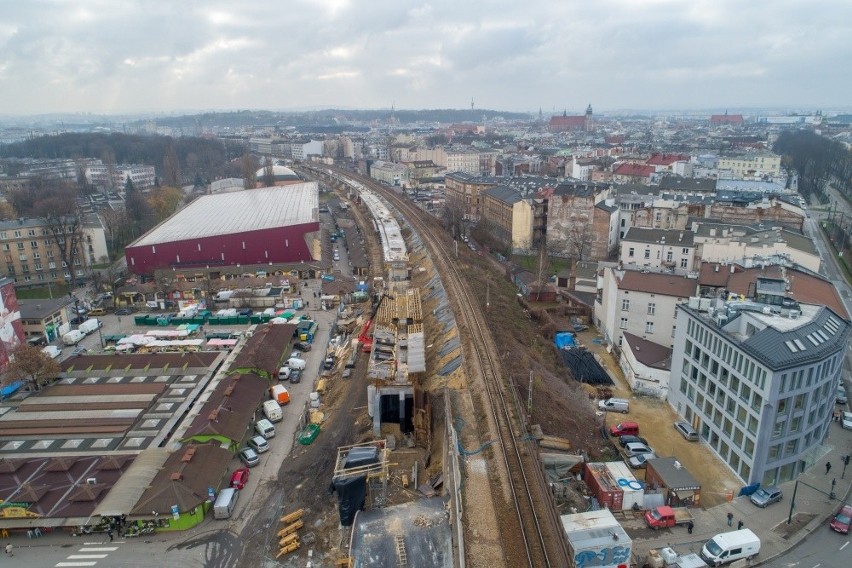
572 278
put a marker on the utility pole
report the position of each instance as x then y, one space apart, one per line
529 395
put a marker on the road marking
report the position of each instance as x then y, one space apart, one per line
845 544
86 556
818 565
60 564
102 549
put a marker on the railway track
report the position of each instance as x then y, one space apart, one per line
533 517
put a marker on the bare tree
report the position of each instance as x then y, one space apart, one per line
248 165
268 173
31 365
171 167
454 214
63 219
575 241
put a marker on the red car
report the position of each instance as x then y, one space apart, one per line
239 478
842 520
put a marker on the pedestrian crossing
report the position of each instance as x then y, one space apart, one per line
89 555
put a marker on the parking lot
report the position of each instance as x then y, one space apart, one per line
656 424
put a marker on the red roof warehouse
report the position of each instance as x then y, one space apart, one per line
276 225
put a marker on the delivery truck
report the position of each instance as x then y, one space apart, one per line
91 325
279 394
665 517
729 547
272 411
73 337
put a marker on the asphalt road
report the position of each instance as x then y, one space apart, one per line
824 548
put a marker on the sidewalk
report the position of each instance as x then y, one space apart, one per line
812 509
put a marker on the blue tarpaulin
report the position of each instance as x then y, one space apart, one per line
564 339
10 389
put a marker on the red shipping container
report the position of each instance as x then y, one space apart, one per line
603 486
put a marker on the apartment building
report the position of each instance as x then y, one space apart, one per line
464 189
391 173
756 377
755 165
719 242
30 256
658 248
510 217
464 160
115 176
645 304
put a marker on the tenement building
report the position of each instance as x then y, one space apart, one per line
756 375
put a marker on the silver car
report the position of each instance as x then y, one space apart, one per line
636 448
686 430
766 496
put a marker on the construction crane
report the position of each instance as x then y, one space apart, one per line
366 339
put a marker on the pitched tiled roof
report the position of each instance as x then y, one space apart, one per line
661 159
649 353
634 170
653 283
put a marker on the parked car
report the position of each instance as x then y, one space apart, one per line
624 429
766 496
624 440
249 457
77 320
847 420
79 351
295 376
842 520
258 444
840 397
303 346
245 312
124 311
635 448
239 478
686 430
97 312
640 461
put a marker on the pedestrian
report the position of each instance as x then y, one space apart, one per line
9 549
689 527
109 534
827 467
730 519
740 524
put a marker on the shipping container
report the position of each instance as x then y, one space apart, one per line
603 486
634 489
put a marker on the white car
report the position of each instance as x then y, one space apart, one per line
847 420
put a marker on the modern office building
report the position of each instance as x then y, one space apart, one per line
756 375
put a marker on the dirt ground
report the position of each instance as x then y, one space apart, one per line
656 419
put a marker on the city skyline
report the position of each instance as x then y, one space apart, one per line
132 57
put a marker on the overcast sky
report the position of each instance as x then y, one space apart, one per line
116 56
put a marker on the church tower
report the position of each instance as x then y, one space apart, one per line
587 125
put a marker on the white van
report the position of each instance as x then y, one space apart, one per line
73 337
272 411
296 363
615 405
730 546
265 428
225 503
52 351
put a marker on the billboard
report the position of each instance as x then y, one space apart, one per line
11 328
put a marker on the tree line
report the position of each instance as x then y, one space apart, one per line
816 160
175 160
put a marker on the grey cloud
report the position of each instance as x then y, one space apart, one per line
106 55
